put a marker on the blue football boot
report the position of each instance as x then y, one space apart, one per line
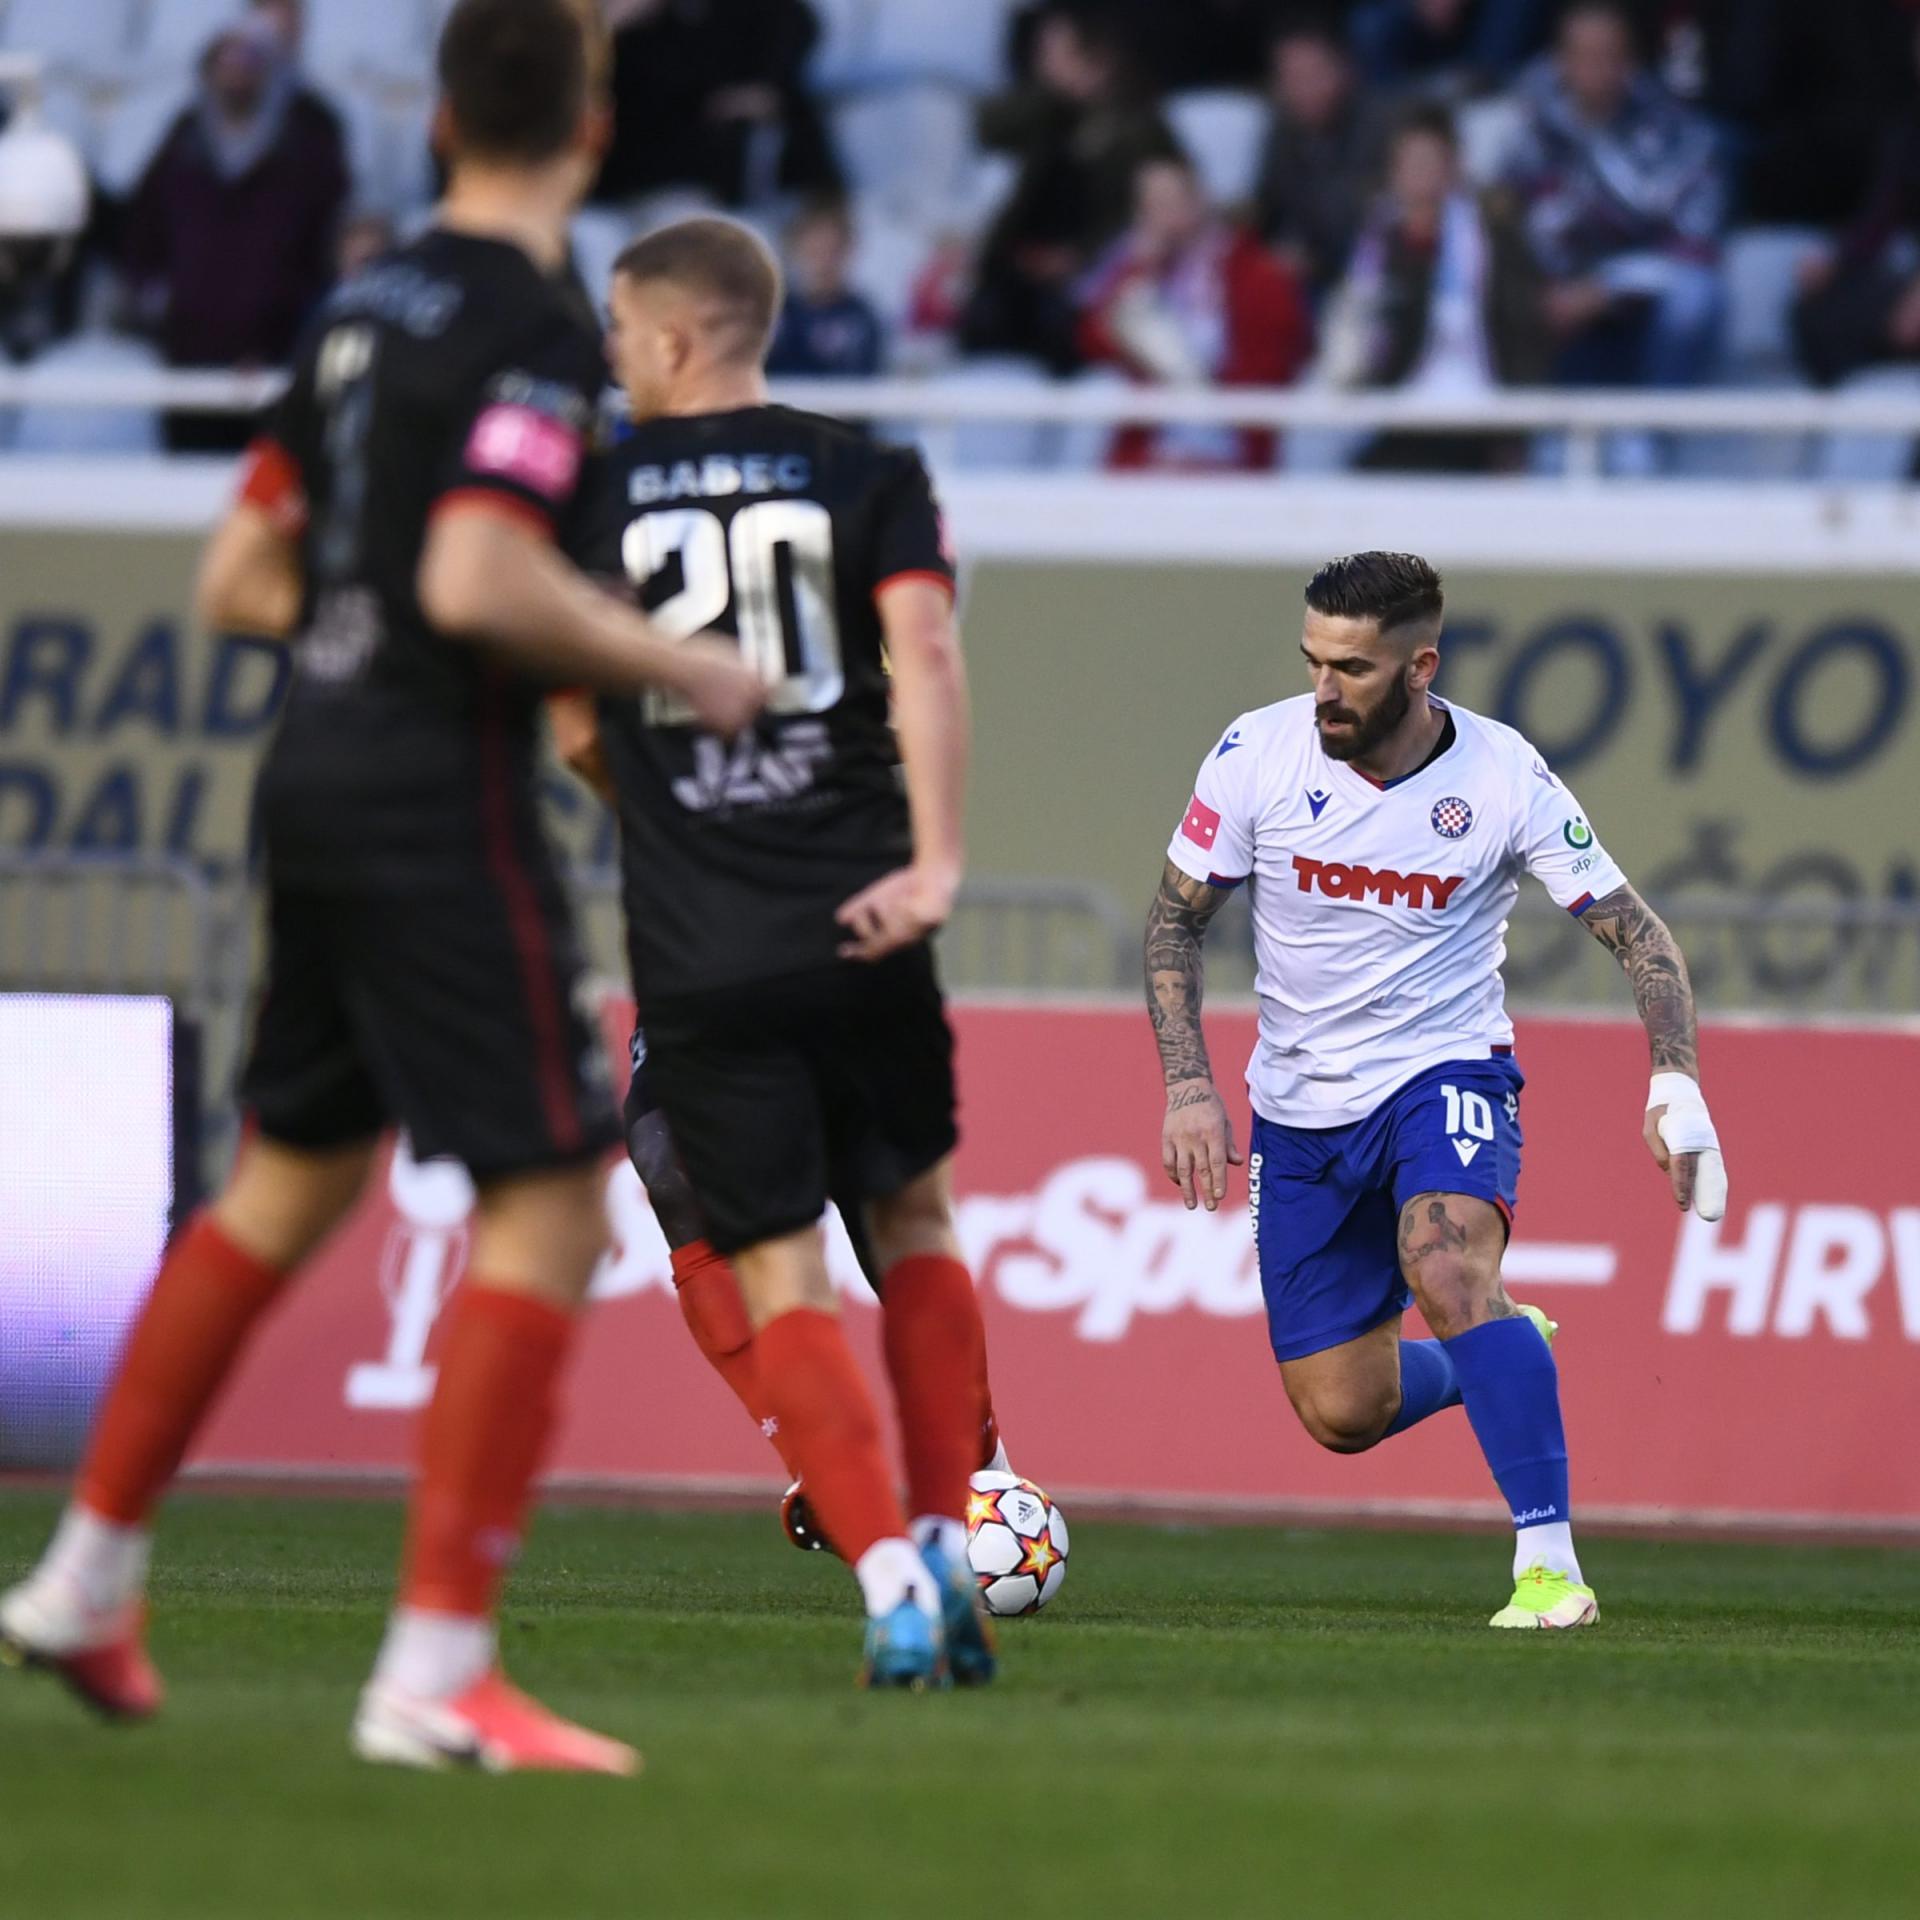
904 1650
971 1658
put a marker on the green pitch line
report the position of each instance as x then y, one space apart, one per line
1209 1723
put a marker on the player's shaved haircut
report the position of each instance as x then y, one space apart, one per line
1393 589
515 76
726 268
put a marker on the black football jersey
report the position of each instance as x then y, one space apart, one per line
777 529
450 368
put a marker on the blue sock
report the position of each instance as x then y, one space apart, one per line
1512 1392
1427 1383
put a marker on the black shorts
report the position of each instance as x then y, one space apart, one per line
677 1211
455 1013
781 1094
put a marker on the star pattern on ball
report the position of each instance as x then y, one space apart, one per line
983 1509
1041 1557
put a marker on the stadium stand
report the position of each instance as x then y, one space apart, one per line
1222 132
901 83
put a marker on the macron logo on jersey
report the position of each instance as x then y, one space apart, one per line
1202 824
1339 881
1227 745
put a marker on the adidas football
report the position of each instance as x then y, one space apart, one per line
1017 1543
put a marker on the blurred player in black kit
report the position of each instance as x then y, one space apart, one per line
402 522
781 889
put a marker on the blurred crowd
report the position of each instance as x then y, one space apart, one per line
1439 195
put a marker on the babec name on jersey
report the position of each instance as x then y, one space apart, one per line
718 475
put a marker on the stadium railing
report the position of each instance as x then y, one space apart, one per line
938 406
110 923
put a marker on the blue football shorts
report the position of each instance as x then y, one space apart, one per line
1325 1201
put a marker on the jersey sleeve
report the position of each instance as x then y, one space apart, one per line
1558 847
273 474
1214 842
910 535
592 528
523 448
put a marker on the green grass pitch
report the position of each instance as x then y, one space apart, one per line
1209 1722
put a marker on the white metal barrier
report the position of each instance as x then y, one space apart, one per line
1584 416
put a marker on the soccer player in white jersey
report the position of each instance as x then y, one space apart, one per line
1384 832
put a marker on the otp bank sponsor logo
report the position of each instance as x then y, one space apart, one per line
1339 881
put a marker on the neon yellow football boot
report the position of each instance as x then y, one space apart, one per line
1548 1328
1543 1598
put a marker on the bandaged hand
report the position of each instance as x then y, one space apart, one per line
1680 1134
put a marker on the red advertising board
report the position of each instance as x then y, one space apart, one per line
1763 1368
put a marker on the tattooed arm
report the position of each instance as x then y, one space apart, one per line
1196 1141
1637 937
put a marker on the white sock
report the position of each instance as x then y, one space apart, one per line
891 1571
999 1463
1552 1543
434 1655
938 1531
104 1561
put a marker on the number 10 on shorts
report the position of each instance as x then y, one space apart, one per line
1468 1113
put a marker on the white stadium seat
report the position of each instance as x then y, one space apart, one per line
69 105
1761 265
1487 130
393 38
960 42
1222 132
598 234
1870 459
177 31
992 445
132 128
888 254
910 147
93 37
73 430
387 125
840 62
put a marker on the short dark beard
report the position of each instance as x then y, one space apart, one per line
1395 704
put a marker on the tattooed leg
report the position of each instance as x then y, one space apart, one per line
1450 1248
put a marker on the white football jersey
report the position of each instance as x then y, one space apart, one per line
1379 912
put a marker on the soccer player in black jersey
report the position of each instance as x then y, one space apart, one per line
781 889
399 522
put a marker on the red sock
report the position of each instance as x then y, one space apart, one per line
204 1303
936 1348
818 1394
485 1435
716 1316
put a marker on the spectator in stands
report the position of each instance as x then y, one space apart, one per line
711 95
1444 48
1797 88
1859 305
1080 129
1622 193
826 329
230 239
1441 297
1186 298
1323 152
285 21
